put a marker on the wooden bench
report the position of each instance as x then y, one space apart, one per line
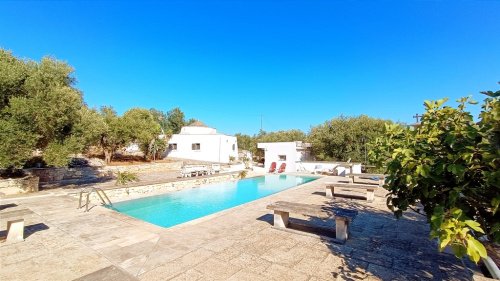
370 189
343 217
15 224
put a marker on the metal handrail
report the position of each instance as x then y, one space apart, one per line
102 195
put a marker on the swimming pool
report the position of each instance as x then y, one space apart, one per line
178 207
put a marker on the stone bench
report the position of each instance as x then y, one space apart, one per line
15 223
370 189
343 217
365 178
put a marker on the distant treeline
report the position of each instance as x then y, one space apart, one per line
339 139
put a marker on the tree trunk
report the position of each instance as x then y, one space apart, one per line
107 155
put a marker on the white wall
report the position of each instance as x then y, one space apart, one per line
310 167
273 149
213 147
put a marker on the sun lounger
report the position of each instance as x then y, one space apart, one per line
332 187
282 168
15 224
195 170
318 169
343 217
272 168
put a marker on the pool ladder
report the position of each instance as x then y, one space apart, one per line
102 195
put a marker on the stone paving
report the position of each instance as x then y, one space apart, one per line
64 243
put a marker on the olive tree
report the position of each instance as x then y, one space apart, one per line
141 127
113 135
39 109
344 138
175 121
450 165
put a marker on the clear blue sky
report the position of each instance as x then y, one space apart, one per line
296 63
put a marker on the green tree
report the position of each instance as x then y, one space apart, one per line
39 106
161 118
345 138
141 127
175 121
246 142
114 134
13 73
17 144
157 147
281 136
450 165
90 127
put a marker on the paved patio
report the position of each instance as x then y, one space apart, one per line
64 243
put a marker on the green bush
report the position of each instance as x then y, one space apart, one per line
243 174
123 178
451 165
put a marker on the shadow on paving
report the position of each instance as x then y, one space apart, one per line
28 230
382 246
392 249
77 183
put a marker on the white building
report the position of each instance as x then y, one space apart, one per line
202 143
297 156
285 152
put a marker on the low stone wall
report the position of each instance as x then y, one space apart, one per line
149 167
127 193
19 185
54 175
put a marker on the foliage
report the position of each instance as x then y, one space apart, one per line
113 135
345 138
246 142
123 178
451 165
231 159
161 118
157 147
175 121
13 74
141 127
246 161
243 174
38 106
57 154
281 136
90 127
16 144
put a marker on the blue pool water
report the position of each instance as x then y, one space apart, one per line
174 208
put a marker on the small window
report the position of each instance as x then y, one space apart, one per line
282 157
234 147
195 146
172 146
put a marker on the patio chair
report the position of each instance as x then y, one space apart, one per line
282 168
318 169
272 168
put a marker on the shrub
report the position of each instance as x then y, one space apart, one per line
243 174
451 165
123 178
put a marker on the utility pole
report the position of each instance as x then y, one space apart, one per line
417 116
261 122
